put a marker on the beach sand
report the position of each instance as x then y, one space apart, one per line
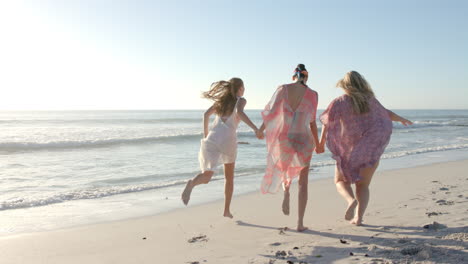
402 202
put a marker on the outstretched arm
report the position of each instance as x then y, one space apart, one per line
397 118
206 120
243 116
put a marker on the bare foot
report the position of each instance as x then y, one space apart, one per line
228 214
349 214
357 221
286 203
186 193
301 228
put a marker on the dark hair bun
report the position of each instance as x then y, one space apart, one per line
298 71
301 67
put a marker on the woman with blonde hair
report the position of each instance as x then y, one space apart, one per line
356 129
219 143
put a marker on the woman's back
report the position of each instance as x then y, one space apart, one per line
287 119
223 133
295 93
291 133
354 125
357 139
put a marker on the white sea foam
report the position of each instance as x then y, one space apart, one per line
403 153
91 193
94 193
57 145
99 143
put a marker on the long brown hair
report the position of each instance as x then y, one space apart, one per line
224 95
358 89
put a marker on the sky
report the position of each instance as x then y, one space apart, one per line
111 54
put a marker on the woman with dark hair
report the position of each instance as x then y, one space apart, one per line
291 135
356 128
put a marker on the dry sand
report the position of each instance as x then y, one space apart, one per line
402 203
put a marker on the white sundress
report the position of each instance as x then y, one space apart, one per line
220 145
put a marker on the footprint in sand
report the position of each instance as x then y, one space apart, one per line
411 250
433 214
434 226
444 202
200 238
280 254
282 230
403 241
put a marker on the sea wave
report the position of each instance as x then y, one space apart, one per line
398 154
117 121
435 115
403 153
106 191
71 144
426 124
93 193
100 143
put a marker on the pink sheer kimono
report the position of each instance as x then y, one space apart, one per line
356 140
288 137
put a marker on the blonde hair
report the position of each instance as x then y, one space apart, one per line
356 87
224 95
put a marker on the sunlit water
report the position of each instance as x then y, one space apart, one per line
60 169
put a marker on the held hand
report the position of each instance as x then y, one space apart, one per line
319 149
259 134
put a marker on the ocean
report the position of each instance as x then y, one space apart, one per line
67 168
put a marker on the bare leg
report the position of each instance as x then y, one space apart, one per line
285 205
362 192
202 178
228 188
303 196
345 190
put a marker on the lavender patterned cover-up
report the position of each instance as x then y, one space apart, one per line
288 137
356 140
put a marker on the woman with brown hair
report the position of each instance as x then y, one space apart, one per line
356 129
219 144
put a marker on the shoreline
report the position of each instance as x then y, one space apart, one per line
215 189
400 200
